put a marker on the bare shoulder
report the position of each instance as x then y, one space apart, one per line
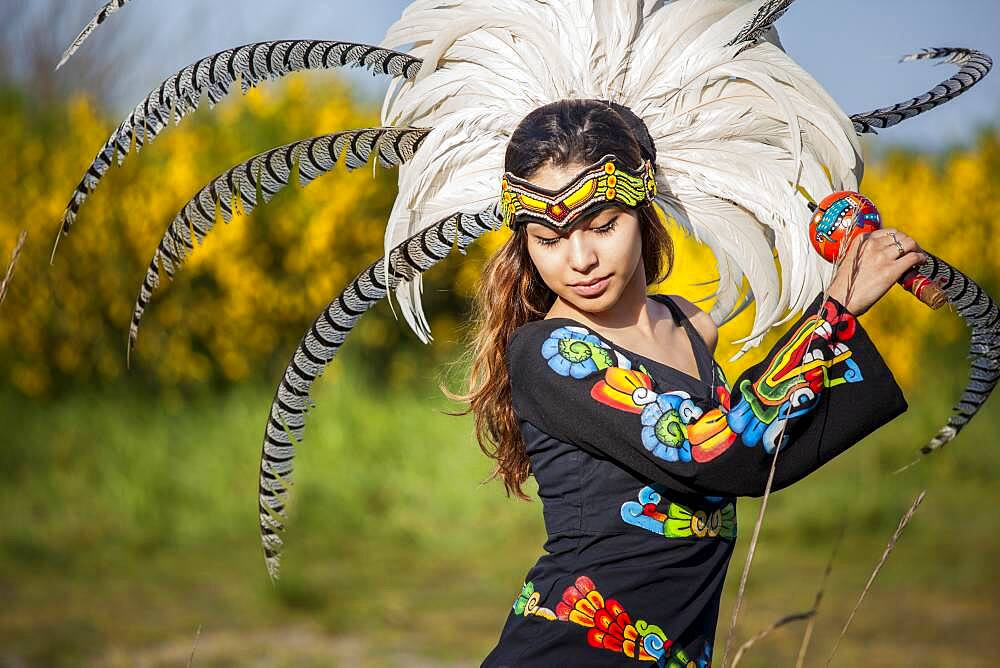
701 320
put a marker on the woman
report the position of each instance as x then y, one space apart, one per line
611 398
748 138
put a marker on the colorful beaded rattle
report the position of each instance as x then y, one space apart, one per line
842 216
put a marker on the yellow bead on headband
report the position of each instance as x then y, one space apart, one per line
606 182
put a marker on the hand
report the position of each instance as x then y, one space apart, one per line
871 266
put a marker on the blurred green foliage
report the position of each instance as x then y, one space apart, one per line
247 294
128 523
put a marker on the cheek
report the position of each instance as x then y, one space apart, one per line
626 249
545 262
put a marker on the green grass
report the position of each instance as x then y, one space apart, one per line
130 521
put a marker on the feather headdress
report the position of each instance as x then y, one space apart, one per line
744 138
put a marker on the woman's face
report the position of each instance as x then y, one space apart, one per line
605 247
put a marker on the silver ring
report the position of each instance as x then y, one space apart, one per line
898 245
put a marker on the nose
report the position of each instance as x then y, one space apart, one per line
582 255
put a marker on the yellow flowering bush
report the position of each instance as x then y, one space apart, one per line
951 206
246 296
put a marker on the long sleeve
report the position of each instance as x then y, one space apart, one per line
822 388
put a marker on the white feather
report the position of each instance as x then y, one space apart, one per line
736 128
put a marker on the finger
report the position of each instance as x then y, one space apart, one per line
880 251
890 234
911 259
908 244
880 238
893 233
891 253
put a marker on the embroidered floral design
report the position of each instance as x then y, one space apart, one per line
679 521
682 522
574 351
610 626
625 389
674 429
527 603
664 425
679 659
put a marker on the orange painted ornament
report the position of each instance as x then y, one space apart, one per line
838 218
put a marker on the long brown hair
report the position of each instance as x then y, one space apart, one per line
510 292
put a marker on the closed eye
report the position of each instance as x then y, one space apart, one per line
608 228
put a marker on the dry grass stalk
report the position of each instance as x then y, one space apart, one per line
753 548
745 575
885 555
13 261
905 467
197 635
807 636
796 617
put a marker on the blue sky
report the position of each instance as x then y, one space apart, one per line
850 46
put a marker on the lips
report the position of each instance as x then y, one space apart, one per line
591 288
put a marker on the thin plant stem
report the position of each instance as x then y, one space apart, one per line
197 635
807 636
13 261
745 575
788 619
885 555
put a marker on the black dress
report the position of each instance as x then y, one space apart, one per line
638 468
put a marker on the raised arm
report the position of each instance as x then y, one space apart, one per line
822 388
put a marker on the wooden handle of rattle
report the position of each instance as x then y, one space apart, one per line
923 288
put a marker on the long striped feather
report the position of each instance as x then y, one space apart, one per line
974 65
213 77
269 172
762 21
286 421
982 315
98 19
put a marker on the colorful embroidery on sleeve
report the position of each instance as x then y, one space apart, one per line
611 628
679 521
674 429
796 375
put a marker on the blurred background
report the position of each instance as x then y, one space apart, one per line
129 530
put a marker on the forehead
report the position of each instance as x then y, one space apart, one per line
556 177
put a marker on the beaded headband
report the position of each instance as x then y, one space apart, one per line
606 182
